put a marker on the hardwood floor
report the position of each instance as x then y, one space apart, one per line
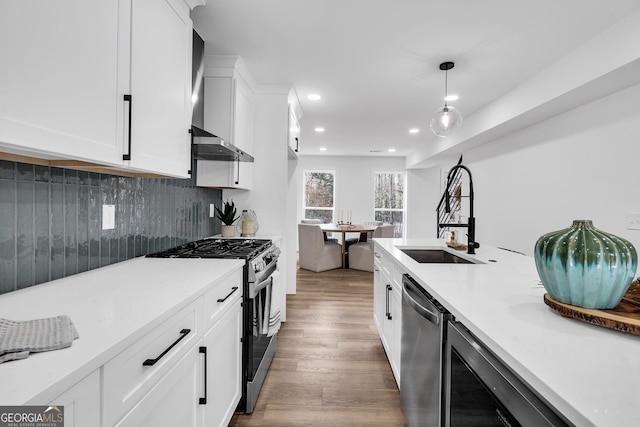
329 368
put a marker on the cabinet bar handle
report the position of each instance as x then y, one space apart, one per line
151 362
235 288
297 144
127 98
238 172
389 288
203 400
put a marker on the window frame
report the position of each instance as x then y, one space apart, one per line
304 192
404 197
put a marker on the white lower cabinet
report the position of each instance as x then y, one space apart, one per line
387 307
81 402
186 371
224 367
172 401
396 310
130 377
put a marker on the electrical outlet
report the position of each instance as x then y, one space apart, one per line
108 217
633 220
212 210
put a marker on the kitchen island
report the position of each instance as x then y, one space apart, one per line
588 373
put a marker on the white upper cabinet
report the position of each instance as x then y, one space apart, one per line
225 174
67 66
228 114
228 101
293 133
59 79
161 50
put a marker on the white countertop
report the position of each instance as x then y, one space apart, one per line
589 373
111 307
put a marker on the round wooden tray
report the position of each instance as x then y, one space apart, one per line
624 317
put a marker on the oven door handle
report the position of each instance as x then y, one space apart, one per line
268 271
260 286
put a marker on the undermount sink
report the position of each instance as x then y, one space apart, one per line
436 256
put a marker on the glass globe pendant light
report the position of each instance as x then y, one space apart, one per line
447 118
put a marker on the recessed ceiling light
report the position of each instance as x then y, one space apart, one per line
451 98
319 129
323 148
414 130
314 97
391 150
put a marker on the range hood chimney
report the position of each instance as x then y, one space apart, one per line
205 145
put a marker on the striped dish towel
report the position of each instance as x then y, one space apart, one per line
19 338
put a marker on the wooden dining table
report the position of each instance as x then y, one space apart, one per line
344 229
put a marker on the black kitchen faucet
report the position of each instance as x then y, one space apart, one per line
472 245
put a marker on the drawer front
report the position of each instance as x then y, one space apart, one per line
398 271
132 373
221 296
384 261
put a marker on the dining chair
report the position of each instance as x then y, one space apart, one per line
354 240
361 254
314 253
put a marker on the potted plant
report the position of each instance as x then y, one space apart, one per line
228 217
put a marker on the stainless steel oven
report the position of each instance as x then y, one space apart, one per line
261 319
260 325
481 391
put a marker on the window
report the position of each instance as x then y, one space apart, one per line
319 195
389 199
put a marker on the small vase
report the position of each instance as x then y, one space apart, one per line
248 224
228 231
584 266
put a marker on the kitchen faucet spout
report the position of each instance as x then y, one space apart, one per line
472 245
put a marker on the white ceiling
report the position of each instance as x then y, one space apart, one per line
375 62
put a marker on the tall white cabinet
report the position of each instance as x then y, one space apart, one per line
107 83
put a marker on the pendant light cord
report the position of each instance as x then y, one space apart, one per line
446 82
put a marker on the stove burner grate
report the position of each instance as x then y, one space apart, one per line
216 248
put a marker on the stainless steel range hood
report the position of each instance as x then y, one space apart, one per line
207 146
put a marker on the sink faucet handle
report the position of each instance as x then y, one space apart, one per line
475 245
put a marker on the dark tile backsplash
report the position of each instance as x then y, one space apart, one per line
51 220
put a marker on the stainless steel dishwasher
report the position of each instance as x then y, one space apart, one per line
422 355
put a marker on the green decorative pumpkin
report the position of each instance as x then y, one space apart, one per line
584 266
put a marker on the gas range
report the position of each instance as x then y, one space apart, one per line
260 254
216 248
260 274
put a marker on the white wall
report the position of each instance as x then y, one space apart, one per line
353 181
583 164
354 188
425 190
